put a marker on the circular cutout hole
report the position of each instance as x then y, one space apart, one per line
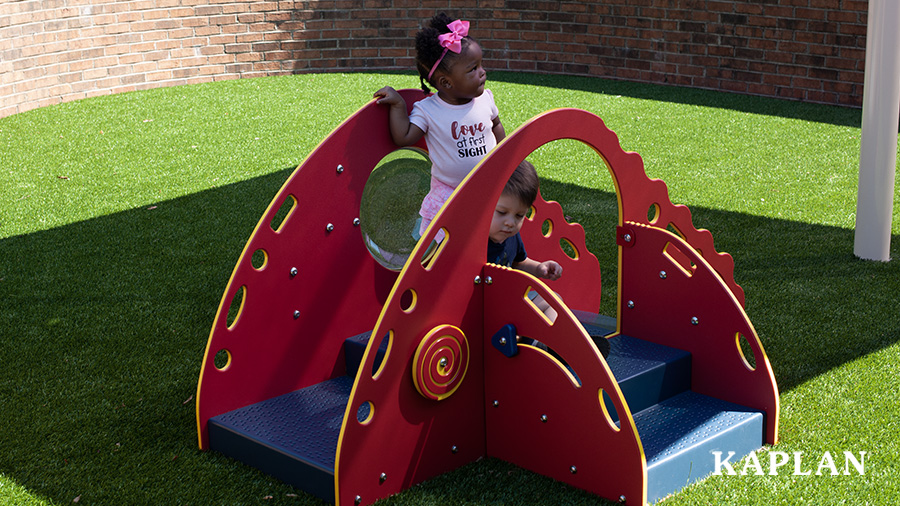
222 359
389 209
746 351
365 412
259 259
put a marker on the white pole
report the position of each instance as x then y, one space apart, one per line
878 145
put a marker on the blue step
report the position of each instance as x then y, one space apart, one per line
647 373
680 434
292 437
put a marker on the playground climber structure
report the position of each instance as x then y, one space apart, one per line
354 381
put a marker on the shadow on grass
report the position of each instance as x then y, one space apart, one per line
844 116
104 323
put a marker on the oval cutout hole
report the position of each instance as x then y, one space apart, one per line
609 410
222 359
381 354
259 259
234 310
283 212
547 228
408 301
365 413
568 248
434 250
653 213
746 351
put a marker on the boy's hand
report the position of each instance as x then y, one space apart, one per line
549 269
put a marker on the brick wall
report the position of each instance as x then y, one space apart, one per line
53 51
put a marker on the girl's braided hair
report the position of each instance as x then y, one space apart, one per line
429 50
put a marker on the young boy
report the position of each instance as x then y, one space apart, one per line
505 245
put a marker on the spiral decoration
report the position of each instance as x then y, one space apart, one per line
440 363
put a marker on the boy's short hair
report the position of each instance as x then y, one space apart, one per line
523 184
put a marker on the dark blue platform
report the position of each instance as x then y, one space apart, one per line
294 436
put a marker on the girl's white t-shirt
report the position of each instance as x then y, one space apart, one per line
458 136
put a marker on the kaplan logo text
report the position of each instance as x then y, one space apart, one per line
782 461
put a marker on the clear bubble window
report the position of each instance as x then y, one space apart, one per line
389 211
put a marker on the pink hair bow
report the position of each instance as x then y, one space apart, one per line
452 41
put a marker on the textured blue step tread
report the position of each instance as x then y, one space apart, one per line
292 437
680 434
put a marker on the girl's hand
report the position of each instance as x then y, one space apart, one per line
388 96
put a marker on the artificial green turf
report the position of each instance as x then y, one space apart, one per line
121 218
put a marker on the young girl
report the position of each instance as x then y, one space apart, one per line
460 123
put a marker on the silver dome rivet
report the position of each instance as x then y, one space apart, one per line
622 499
627 237
488 280
544 418
662 274
454 449
442 362
695 321
296 314
329 227
630 304
340 169
496 403
573 469
477 280
357 500
502 340
294 271
382 478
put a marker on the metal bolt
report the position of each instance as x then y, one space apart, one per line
630 304
477 280
544 418
294 271
662 274
502 340
622 499
382 478
454 449
695 320
443 362
329 227
355 222
496 403
357 500
488 280
296 314
573 469
340 168
627 237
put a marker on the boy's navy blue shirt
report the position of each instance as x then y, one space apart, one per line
508 252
